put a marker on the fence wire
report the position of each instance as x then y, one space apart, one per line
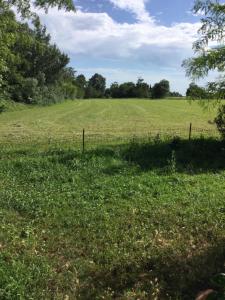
86 139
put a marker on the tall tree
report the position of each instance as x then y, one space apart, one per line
161 89
96 86
208 55
15 37
196 92
81 84
8 27
142 89
30 64
127 90
81 81
114 90
210 52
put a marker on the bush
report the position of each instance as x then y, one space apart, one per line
30 90
220 121
69 90
49 95
25 90
80 93
2 108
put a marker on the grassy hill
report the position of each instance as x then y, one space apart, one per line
104 118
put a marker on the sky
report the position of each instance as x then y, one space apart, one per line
127 39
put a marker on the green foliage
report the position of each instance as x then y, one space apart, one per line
2 108
212 30
216 89
130 90
31 65
175 95
24 6
10 106
220 120
8 27
209 57
69 90
212 59
161 90
107 93
114 90
81 85
196 92
29 90
95 87
142 89
127 90
81 81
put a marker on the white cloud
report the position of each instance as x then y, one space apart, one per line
96 37
137 7
97 34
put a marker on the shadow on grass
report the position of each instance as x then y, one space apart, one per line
179 277
196 156
200 155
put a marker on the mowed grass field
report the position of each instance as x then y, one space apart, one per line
140 220
105 118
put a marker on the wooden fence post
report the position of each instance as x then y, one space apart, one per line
190 131
83 141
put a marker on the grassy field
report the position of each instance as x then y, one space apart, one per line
104 118
132 221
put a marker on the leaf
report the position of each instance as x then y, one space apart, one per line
219 280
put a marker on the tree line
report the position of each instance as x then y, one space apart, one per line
95 87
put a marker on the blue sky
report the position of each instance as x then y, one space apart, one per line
165 11
127 39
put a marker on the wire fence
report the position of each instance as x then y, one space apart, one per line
86 139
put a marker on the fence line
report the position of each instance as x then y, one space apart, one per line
87 139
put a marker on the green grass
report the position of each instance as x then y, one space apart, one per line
138 221
131 221
104 118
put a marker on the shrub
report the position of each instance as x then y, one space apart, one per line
30 90
220 121
2 108
69 90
